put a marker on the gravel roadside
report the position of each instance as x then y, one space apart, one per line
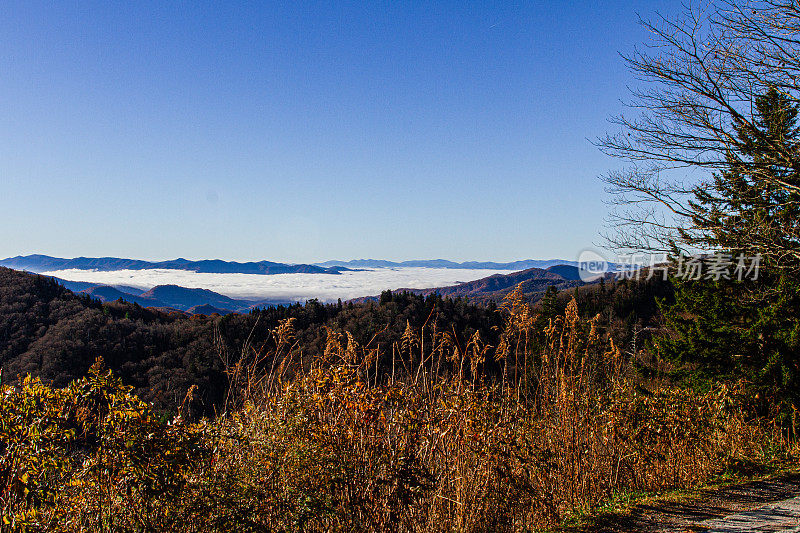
771 505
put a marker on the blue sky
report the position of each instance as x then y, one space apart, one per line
304 132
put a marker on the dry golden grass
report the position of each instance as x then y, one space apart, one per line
437 444
561 431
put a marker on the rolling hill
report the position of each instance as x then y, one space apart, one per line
208 310
533 281
107 293
191 301
184 299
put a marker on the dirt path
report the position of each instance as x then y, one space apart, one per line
759 506
780 516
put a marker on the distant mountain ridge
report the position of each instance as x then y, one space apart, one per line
523 264
189 300
44 263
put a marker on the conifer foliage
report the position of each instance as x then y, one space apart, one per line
747 328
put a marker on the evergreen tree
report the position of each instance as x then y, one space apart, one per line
747 329
550 303
386 297
754 205
723 330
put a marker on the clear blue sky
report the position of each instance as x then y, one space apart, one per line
304 131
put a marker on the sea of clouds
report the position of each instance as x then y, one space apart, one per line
294 287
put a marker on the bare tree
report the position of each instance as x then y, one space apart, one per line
695 118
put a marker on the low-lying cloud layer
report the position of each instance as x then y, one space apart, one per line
298 287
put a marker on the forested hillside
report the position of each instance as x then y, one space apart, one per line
48 331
